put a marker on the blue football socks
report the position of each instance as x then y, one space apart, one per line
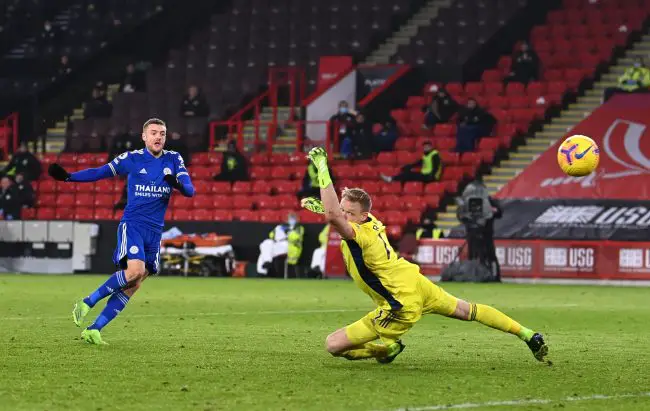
114 306
114 283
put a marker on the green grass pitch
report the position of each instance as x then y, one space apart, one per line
243 344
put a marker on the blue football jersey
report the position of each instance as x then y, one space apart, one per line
147 193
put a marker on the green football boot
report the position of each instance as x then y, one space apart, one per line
92 337
79 312
393 351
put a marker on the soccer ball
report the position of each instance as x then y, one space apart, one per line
578 156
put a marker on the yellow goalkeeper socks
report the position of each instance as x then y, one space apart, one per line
365 351
496 319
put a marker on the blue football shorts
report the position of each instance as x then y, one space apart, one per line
136 242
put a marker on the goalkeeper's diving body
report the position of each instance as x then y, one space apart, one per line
401 293
152 175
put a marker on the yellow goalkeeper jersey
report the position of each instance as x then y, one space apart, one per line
391 281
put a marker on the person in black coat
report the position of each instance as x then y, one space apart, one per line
25 191
525 65
473 123
441 109
25 163
234 166
194 104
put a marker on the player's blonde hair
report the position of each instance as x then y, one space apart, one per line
151 121
358 195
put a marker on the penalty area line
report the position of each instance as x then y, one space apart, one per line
518 403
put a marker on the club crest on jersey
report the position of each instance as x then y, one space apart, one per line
167 171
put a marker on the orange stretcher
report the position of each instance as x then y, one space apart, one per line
203 240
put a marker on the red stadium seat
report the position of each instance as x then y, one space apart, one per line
455 88
536 88
245 215
103 214
47 186
202 201
265 202
67 159
180 201
407 157
515 89
445 130
432 201
84 200
84 214
46 214
449 158
260 173
415 102
402 144
28 213
281 173
470 158
287 202
412 187
413 216
391 202
117 215
242 202
473 89
494 88
241 187
65 200
220 187
395 218
215 158
261 187
286 187
491 76
389 157
366 172
64 213
202 214
222 215
435 188
220 201
271 216
306 217
201 159
372 187
279 159
392 188
45 200
444 143
104 186
259 159
103 200
201 173
181 215
298 160
412 202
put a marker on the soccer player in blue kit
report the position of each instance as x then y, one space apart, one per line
152 174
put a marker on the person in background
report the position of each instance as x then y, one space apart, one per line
48 37
25 191
385 136
133 80
9 200
473 123
123 142
24 162
430 167
318 257
177 144
636 79
194 103
525 65
234 166
361 137
310 185
63 68
441 109
284 246
98 106
427 228
344 121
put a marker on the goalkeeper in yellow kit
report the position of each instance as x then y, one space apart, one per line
401 293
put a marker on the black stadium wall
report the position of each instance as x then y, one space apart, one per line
246 238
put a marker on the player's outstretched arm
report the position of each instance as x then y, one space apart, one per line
333 213
88 175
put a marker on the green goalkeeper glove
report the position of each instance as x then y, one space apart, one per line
318 156
313 204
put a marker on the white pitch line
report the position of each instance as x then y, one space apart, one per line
518 403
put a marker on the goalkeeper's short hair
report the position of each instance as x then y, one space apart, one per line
358 195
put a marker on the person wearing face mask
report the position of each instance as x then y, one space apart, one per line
430 167
280 253
234 166
343 122
636 79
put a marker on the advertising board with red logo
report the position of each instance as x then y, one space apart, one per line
620 127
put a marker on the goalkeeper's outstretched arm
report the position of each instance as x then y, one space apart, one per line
333 213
